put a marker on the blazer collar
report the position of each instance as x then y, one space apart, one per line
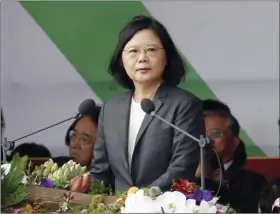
162 92
123 112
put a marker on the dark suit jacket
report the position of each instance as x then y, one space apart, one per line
244 189
60 160
161 153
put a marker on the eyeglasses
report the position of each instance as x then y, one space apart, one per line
134 52
215 133
82 138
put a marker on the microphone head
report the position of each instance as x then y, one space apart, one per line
86 107
147 106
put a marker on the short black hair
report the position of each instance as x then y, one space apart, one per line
268 196
240 155
211 104
175 69
32 150
61 160
216 107
94 116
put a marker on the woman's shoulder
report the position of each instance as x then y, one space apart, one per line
182 96
117 98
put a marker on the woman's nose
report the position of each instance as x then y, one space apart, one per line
143 57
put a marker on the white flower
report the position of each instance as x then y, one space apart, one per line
175 202
221 208
276 203
205 207
49 162
139 203
70 163
54 167
169 202
7 168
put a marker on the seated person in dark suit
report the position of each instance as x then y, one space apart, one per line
245 185
80 138
270 198
32 150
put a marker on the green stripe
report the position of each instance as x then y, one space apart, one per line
86 33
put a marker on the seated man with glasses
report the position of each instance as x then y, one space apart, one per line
80 138
244 186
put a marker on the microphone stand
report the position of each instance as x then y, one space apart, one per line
9 145
202 143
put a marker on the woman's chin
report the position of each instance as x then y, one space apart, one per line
144 79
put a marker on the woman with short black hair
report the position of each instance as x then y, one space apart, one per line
132 148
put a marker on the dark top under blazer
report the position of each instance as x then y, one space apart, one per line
161 153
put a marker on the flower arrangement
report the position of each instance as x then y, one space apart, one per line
184 196
17 174
191 190
152 200
71 176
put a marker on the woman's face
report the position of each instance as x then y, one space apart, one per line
144 58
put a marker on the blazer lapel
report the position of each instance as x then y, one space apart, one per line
123 113
158 101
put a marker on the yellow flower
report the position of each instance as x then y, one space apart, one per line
120 201
132 190
27 209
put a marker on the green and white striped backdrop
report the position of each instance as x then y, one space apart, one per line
55 54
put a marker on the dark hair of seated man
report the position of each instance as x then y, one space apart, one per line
269 195
61 160
32 150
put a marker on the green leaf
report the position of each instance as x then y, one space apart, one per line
19 195
98 187
12 189
61 184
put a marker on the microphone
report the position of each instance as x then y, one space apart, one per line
85 108
148 107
